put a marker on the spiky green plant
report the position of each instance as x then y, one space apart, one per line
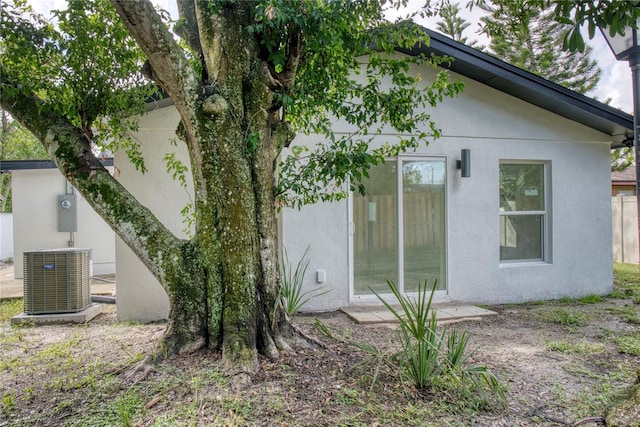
428 356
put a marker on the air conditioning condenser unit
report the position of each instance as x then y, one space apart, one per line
57 280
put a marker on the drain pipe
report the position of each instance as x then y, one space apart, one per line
104 299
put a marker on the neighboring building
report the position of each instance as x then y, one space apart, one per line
36 186
6 236
624 182
531 222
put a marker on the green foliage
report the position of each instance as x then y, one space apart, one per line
16 143
176 168
291 282
429 357
71 67
531 39
616 16
452 24
621 158
350 72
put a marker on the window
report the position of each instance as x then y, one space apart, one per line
523 212
399 226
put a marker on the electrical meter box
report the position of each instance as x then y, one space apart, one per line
67 213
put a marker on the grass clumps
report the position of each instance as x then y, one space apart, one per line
580 347
10 308
626 283
564 317
629 344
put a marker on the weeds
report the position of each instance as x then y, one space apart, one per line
10 308
629 344
8 402
291 283
564 317
626 283
582 347
628 314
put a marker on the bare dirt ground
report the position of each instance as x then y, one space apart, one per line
562 362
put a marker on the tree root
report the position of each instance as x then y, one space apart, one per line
597 420
307 339
140 370
537 412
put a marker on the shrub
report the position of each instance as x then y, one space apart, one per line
427 356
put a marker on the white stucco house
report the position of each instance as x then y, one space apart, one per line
531 221
37 188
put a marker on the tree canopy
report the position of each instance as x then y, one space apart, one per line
16 143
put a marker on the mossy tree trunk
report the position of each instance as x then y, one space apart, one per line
230 125
221 284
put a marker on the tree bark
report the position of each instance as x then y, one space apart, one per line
223 283
228 125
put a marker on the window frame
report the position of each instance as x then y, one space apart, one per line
545 214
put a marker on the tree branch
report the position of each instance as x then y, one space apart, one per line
286 78
187 29
167 64
171 68
295 45
209 27
70 150
187 26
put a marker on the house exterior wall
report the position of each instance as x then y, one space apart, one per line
35 220
495 127
140 296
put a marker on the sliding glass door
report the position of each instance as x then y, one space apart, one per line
399 227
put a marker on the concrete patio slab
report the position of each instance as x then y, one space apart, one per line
446 313
83 316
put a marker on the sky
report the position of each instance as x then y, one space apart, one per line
615 83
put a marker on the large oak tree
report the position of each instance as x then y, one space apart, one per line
244 77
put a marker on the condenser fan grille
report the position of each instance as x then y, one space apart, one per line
57 281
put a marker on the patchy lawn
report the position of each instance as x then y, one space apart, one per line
561 361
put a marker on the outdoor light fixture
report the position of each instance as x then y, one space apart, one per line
465 162
625 48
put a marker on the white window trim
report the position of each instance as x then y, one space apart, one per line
439 295
546 215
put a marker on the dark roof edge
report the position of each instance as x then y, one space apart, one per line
10 165
529 87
